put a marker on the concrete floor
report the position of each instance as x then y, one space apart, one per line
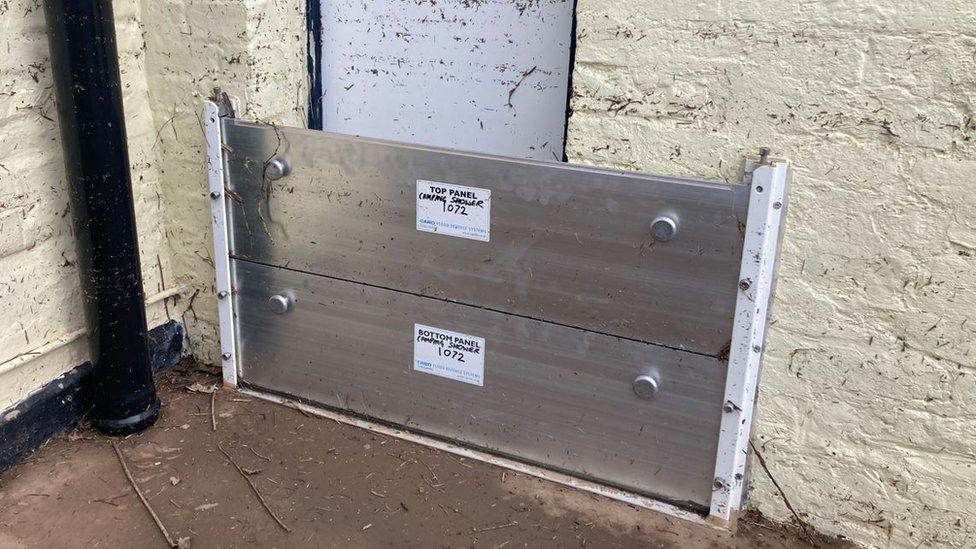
330 485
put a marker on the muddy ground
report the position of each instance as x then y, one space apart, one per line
330 485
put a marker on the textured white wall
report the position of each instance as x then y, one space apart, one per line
866 413
172 53
41 319
255 51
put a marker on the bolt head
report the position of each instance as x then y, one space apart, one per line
664 228
646 386
279 304
744 285
214 195
221 295
276 168
226 356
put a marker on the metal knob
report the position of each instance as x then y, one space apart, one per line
276 168
279 304
646 386
664 228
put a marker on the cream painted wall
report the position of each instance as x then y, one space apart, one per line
172 54
255 51
866 413
42 332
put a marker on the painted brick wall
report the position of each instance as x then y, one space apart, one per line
866 412
255 51
42 332
172 54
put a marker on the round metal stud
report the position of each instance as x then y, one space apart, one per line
664 228
214 195
646 386
276 168
279 304
226 356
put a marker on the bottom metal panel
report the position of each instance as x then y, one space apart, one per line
553 395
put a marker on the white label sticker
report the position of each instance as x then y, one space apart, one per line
449 354
453 210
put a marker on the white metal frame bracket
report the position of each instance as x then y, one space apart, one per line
212 113
760 254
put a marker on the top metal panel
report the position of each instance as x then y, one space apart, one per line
570 245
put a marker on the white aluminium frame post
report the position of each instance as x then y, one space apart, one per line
221 240
760 252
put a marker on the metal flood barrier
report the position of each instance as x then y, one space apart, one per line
601 324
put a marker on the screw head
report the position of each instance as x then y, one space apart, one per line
719 484
664 228
279 304
226 356
214 195
728 407
744 285
646 386
221 295
276 168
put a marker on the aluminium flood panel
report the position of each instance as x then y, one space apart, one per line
288 233
568 244
552 395
467 452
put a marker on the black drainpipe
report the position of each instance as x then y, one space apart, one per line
84 59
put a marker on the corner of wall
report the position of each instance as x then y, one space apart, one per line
257 55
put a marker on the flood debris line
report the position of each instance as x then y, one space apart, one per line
511 92
254 489
253 451
182 542
162 283
198 387
762 463
264 203
494 527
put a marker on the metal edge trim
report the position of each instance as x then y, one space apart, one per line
760 255
716 184
510 464
221 240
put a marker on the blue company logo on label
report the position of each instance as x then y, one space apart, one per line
448 354
454 210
